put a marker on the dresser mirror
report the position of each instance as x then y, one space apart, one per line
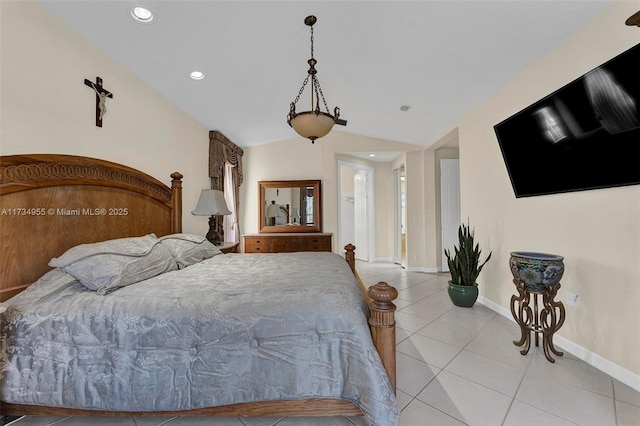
290 206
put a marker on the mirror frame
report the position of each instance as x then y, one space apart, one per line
277 184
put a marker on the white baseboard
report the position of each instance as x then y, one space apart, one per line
614 370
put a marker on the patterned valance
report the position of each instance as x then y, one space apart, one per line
221 151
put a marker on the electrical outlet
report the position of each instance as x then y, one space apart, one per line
573 299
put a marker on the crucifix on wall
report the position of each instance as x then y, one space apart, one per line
101 97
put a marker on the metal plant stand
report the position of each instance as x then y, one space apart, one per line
532 321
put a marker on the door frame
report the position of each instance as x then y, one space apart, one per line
371 228
398 219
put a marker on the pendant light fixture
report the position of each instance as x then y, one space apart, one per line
315 123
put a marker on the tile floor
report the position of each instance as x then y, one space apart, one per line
456 366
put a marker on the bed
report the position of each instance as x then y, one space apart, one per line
51 204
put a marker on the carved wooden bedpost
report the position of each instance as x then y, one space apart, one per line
382 320
383 325
350 256
176 201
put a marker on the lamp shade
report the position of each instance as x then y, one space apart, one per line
211 202
273 210
312 124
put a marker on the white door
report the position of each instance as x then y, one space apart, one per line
450 206
397 245
360 215
401 217
347 222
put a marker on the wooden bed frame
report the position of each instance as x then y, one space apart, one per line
50 203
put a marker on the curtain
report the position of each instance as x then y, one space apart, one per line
222 152
230 224
303 208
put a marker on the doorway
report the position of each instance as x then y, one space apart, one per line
355 209
400 252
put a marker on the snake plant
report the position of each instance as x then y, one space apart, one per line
465 265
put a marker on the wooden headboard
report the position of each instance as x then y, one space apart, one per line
49 203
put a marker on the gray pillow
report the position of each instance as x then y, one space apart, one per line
108 265
188 249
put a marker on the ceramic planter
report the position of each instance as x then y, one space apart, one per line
463 295
537 271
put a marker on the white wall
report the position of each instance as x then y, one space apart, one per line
597 231
45 106
418 212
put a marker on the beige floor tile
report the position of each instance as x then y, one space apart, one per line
468 402
521 414
413 375
496 375
428 350
426 310
574 372
567 401
410 322
627 414
626 394
417 413
403 399
450 332
417 292
315 421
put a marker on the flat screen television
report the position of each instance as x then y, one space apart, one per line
586 135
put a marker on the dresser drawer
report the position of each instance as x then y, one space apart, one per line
282 245
256 245
316 244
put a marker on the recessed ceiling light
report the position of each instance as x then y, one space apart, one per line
197 75
404 108
372 155
141 14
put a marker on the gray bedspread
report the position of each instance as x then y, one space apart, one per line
233 328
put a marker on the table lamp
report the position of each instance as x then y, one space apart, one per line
212 203
273 211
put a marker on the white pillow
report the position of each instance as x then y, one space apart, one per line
188 249
108 265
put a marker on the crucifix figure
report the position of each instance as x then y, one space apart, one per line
101 98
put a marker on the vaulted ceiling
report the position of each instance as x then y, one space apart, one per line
440 58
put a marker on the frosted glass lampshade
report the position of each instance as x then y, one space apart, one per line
312 125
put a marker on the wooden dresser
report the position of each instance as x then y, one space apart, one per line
286 242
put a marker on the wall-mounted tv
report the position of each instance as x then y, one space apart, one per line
586 135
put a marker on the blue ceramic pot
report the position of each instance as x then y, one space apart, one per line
538 271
